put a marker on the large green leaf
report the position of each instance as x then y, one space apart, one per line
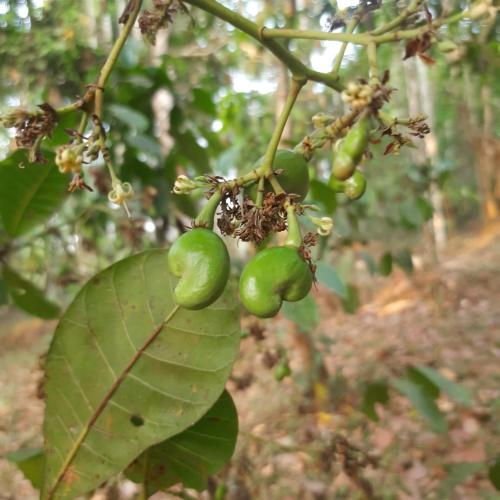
424 403
29 195
28 297
194 454
457 392
127 369
30 462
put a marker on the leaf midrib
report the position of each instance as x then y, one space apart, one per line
107 397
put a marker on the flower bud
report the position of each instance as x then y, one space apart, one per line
121 192
324 224
184 184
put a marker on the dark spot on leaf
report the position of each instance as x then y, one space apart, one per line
96 281
136 420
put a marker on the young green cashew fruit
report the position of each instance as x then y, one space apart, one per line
201 261
355 186
272 276
336 185
349 151
356 140
295 175
343 165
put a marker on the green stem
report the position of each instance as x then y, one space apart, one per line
371 52
282 53
338 60
275 184
113 57
267 162
83 124
294 238
206 217
358 39
322 135
260 192
411 9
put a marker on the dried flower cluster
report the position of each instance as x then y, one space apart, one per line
418 129
31 128
162 14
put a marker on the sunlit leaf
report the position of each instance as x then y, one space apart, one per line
29 195
127 369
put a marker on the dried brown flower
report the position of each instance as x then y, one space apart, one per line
31 128
310 240
258 222
151 21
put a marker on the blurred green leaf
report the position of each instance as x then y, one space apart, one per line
420 379
385 264
28 297
370 262
404 260
193 455
187 145
304 313
202 100
29 195
457 474
425 208
30 462
423 403
329 277
457 392
375 392
494 474
351 302
322 194
3 292
129 116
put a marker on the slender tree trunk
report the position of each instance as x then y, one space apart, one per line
488 178
431 148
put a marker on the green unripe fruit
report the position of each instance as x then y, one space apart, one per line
282 371
273 275
295 176
201 261
356 140
355 186
336 185
343 165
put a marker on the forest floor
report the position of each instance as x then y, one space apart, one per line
306 437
